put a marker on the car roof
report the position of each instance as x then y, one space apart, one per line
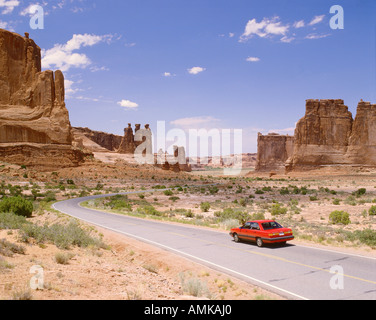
262 221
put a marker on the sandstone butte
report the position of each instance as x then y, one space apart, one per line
326 136
34 122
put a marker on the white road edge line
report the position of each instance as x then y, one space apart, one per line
190 256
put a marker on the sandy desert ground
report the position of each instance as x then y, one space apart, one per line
116 267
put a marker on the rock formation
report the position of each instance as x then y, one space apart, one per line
178 162
127 144
328 135
34 123
96 141
273 151
130 142
362 142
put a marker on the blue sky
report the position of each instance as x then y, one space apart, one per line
226 64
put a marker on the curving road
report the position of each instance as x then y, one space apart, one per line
294 271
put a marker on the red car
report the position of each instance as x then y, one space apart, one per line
264 231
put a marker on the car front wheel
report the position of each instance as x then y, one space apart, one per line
236 238
259 242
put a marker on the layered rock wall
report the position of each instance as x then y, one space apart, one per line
105 140
328 136
32 104
273 151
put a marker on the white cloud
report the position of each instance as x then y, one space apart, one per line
196 70
128 104
253 59
62 56
313 36
168 74
267 27
8 5
3 24
317 19
96 69
287 39
299 24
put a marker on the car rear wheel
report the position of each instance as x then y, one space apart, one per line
259 242
236 238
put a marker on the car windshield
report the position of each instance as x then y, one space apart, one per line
271 225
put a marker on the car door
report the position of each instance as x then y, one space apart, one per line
254 231
245 231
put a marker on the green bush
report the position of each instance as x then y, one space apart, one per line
339 217
278 210
360 192
9 221
63 236
205 206
149 210
367 237
284 191
235 214
168 193
372 211
18 206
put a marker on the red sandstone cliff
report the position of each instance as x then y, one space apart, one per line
34 123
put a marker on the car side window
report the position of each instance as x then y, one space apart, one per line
247 226
255 226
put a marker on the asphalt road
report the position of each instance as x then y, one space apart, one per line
294 271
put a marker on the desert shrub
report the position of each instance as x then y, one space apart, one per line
243 202
189 214
194 287
367 237
360 192
230 213
149 210
158 187
284 191
17 205
9 221
213 190
63 258
372 211
339 217
7 249
336 202
63 236
277 210
168 193
205 206
257 216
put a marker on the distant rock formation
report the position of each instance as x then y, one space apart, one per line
34 123
328 135
127 144
102 140
178 162
131 141
273 151
247 160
